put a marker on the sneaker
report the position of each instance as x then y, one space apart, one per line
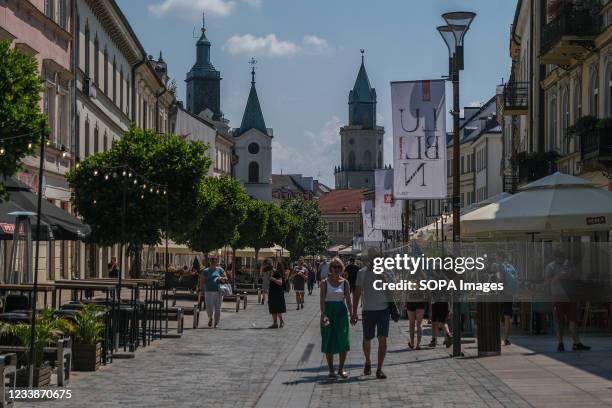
367 369
380 375
560 347
580 346
507 342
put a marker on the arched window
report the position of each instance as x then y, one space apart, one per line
552 123
608 87
593 93
253 172
380 159
87 48
351 160
367 160
114 80
105 142
96 139
96 60
87 138
121 89
564 121
577 101
105 71
127 99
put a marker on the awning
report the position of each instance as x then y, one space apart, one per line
59 224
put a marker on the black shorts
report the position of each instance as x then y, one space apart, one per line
375 323
439 312
506 309
414 306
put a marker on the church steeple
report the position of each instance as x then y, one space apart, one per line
362 100
203 81
253 117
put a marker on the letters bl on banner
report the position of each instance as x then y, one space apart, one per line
419 139
387 211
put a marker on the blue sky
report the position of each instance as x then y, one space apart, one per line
308 53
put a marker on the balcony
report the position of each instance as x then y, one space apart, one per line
516 95
534 166
596 143
570 34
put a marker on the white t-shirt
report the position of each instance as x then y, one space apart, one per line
324 270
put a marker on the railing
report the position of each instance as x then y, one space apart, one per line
511 184
596 144
570 20
534 169
516 95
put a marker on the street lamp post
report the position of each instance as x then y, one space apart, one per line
453 33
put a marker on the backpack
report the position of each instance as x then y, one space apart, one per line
511 278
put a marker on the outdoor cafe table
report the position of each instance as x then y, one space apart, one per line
28 287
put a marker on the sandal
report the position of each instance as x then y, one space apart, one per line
274 326
281 324
411 346
343 373
367 369
380 375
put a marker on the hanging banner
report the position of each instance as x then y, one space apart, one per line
367 215
419 139
387 210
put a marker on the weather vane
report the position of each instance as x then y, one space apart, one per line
252 63
362 52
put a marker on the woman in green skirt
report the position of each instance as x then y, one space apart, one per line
335 304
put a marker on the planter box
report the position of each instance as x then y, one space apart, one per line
42 377
86 357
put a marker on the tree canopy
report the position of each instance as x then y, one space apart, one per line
311 237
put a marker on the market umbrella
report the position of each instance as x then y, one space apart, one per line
558 203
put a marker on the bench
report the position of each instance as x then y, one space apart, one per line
62 353
8 369
174 313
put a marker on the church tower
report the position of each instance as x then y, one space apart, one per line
253 146
361 142
204 81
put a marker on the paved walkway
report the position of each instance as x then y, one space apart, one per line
242 364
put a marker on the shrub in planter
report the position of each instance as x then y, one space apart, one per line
87 326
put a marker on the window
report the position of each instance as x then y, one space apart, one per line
105 143
577 100
96 61
96 140
340 227
253 148
121 89
462 164
86 138
253 172
608 88
552 123
564 120
105 71
50 9
350 226
127 99
87 49
63 14
114 80
367 159
351 160
593 93
380 159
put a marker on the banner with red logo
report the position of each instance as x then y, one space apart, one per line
387 210
419 139
367 215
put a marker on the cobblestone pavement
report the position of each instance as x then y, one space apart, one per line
242 364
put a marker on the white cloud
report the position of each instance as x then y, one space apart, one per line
253 3
192 9
271 46
268 46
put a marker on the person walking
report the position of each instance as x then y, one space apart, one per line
375 313
266 274
299 280
323 271
415 310
312 279
506 273
335 303
211 278
351 271
439 319
276 296
112 268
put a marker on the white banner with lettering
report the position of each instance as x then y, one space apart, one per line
419 139
387 210
367 214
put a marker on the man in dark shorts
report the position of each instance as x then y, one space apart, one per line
351 271
439 319
558 274
375 313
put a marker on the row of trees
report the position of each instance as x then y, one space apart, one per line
158 185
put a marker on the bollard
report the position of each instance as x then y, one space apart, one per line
244 304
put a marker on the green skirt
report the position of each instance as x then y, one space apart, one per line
335 336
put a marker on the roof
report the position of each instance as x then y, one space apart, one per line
362 90
341 201
281 181
253 117
483 121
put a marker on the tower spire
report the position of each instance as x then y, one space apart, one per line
362 52
252 63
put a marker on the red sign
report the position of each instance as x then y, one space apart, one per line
426 91
388 198
10 228
596 220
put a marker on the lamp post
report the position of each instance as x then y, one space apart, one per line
453 33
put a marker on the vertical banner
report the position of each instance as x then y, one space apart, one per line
367 214
387 210
419 139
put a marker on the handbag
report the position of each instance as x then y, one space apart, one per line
225 289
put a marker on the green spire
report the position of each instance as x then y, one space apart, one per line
362 100
253 117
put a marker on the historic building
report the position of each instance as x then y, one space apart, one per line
341 211
253 146
361 141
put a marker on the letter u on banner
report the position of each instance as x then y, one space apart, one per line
419 139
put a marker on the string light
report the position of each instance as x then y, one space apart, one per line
106 177
29 145
135 181
129 174
77 165
151 189
2 150
124 173
95 202
142 196
95 172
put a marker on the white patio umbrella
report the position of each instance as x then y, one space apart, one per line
558 203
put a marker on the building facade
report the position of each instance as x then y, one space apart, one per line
361 141
341 210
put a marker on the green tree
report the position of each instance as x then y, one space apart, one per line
20 88
313 238
253 230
